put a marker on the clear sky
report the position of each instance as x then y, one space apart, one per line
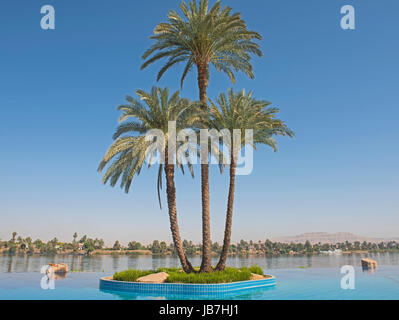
337 89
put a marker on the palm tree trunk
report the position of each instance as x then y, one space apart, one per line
206 265
229 218
174 226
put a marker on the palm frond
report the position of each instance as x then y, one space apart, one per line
203 35
126 156
241 111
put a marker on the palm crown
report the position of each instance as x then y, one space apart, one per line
131 147
204 36
241 111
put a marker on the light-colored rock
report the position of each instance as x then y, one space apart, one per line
369 263
57 268
159 277
255 276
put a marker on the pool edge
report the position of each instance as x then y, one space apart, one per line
184 288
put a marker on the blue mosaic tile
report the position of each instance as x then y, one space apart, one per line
185 288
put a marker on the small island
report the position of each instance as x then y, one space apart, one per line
176 275
176 281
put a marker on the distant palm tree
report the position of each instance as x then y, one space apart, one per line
131 148
241 111
202 38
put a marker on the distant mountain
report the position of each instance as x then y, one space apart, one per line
324 237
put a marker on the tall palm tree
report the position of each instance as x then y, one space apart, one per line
132 147
241 111
202 38
14 234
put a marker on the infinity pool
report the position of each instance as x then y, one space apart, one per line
303 284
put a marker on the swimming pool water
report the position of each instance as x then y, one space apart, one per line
302 284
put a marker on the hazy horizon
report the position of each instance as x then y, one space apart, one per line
110 242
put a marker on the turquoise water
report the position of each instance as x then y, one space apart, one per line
20 278
303 284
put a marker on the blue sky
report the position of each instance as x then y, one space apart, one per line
337 89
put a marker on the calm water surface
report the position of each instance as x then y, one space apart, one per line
300 277
112 263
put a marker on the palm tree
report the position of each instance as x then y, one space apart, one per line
131 147
202 38
14 234
241 111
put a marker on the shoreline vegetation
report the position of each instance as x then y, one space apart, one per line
89 246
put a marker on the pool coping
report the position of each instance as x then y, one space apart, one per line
107 283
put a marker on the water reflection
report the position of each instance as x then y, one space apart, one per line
112 263
60 276
132 264
369 271
11 258
247 294
115 261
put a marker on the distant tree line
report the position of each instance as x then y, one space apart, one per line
86 245
54 246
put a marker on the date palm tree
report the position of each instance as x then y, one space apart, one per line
241 111
132 147
200 38
14 234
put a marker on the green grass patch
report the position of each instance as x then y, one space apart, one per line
256 269
176 275
131 274
225 276
168 270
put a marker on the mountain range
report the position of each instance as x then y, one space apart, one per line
324 237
